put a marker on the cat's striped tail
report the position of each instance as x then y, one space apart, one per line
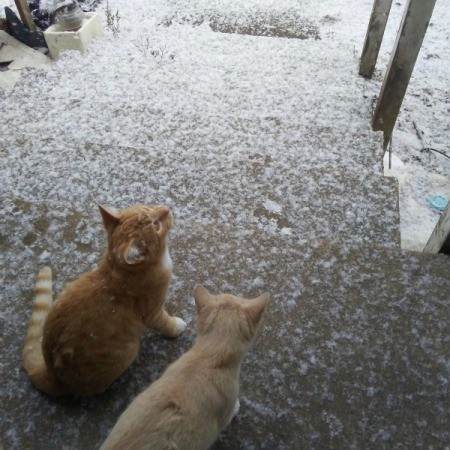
33 358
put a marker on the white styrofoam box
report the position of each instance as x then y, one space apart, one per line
58 40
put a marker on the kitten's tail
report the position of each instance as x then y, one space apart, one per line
33 358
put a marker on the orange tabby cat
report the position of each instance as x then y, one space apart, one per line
80 344
197 396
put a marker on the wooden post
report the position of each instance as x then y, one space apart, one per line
439 241
374 36
409 40
25 14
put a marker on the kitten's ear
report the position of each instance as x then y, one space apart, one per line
163 213
201 295
133 255
256 307
110 217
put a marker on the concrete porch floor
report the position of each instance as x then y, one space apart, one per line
353 353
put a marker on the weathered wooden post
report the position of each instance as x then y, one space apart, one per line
409 40
25 14
439 241
374 37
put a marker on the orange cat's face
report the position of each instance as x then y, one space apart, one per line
137 235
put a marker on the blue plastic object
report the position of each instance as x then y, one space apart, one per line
438 202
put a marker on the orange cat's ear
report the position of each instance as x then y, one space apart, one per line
201 296
163 213
133 255
110 217
257 306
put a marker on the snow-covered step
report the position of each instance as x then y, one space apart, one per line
273 135
306 205
278 193
219 89
351 352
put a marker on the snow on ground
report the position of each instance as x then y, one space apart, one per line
168 80
244 130
256 134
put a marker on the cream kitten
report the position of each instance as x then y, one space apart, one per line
85 340
197 396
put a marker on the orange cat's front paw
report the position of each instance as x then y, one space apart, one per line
180 326
167 325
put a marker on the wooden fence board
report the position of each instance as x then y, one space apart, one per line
409 40
25 14
374 37
439 241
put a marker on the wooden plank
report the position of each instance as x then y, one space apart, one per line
25 14
407 46
439 241
374 37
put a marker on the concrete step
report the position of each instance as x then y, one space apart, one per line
277 135
352 354
273 192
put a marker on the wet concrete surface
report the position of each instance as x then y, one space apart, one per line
353 352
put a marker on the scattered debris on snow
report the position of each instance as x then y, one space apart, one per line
14 57
416 187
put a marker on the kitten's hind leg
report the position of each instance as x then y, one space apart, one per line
166 325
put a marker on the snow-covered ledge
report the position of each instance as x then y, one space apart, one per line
58 40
